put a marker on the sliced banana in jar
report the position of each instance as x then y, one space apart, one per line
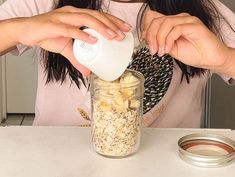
134 104
128 79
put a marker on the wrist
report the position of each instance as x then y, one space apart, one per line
231 63
7 40
10 31
228 67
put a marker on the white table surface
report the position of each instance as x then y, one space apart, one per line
67 152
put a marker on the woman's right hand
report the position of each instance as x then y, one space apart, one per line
55 30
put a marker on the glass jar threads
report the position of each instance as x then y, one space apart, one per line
116 114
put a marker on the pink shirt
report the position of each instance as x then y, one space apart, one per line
65 104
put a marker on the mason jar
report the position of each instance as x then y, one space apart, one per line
117 108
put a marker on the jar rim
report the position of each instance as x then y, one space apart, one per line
109 84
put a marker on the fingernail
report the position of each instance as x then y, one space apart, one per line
161 52
111 33
167 50
92 38
127 25
152 49
121 34
143 34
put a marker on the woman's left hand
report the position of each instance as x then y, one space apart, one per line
185 38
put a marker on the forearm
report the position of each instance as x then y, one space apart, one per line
7 36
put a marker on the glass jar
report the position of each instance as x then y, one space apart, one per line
117 108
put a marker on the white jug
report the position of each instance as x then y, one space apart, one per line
108 59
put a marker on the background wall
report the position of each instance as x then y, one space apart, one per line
18 83
21 82
1 108
222 108
230 4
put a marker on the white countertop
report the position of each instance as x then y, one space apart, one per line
68 152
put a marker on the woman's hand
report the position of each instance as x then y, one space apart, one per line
55 30
185 38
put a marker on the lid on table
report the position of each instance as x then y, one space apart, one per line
206 150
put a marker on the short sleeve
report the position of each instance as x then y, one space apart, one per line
227 24
24 8
227 27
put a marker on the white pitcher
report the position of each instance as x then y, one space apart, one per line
108 59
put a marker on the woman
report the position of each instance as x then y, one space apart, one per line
173 91
221 55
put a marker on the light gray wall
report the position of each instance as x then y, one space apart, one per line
229 3
1 1
222 112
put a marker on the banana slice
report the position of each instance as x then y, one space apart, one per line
104 106
120 104
118 92
134 104
127 93
128 79
115 92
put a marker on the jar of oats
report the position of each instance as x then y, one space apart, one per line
116 114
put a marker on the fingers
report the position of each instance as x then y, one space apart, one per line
165 29
176 33
148 33
148 18
82 19
52 31
117 21
108 25
75 33
158 28
123 26
67 21
120 23
115 24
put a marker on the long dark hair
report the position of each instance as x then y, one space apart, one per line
58 67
